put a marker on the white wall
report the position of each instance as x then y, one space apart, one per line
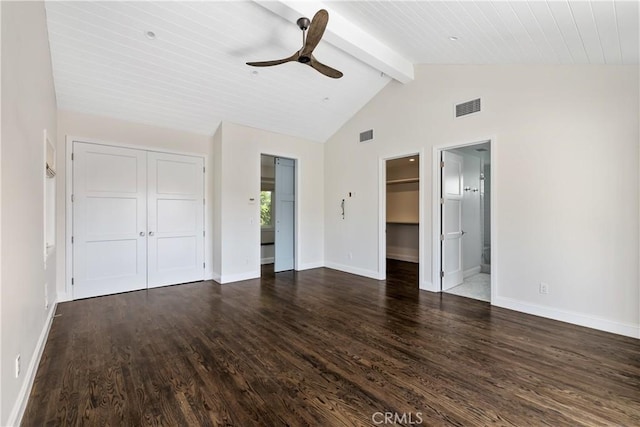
566 180
28 107
216 204
240 238
403 202
471 241
103 129
403 241
233 158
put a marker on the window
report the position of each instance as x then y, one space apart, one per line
266 209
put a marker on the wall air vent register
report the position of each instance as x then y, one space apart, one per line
466 108
367 135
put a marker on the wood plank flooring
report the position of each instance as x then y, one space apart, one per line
325 348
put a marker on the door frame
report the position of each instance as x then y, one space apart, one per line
382 215
296 226
436 215
67 294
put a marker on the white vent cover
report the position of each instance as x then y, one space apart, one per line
367 135
468 107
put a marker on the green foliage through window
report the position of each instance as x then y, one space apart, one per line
265 209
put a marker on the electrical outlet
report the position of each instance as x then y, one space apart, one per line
544 288
18 366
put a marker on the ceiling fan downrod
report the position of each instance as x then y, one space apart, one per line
303 23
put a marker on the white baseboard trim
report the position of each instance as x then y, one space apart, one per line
353 270
626 329
428 286
16 414
403 257
63 297
269 260
310 265
216 277
471 271
230 278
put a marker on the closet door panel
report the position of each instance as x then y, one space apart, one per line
109 220
176 219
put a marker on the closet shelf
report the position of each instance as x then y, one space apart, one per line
404 222
402 181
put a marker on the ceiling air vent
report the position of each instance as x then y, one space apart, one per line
367 135
468 107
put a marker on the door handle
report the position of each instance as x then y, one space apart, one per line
151 233
142 234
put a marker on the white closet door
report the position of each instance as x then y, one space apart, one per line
176 219
109 220
285 215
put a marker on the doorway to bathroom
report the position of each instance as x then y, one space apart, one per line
465 221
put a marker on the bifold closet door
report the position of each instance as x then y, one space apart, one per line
175 203
109 220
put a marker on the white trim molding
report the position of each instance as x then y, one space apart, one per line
471 271
580 319
310 265
354 270
17 412
403 257
232 278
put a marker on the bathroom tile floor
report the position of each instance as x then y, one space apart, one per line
477 287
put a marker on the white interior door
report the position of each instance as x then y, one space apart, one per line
176 219
452 192
285 215
109 220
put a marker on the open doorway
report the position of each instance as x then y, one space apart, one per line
267 211
465 221
402 220
277 213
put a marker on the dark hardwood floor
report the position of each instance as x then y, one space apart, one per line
402 273
324 348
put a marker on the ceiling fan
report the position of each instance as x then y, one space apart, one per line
310 40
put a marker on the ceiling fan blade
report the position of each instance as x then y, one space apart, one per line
293 57
316 30
324 69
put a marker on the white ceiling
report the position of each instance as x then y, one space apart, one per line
503 32
193 75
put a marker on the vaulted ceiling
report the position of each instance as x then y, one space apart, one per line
192 75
